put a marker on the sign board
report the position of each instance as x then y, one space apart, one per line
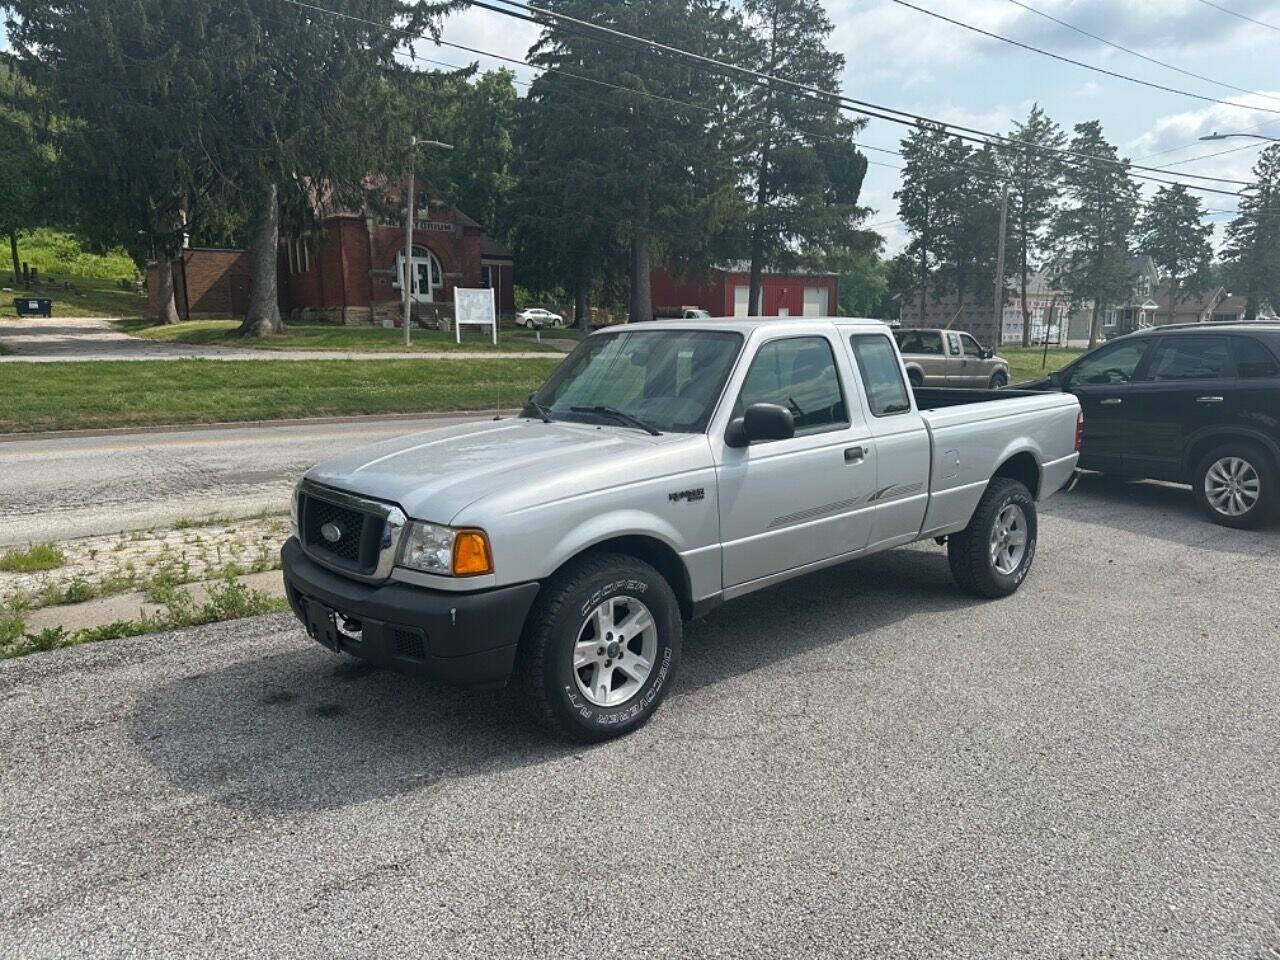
476 308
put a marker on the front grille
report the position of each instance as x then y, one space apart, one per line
359 534
408 644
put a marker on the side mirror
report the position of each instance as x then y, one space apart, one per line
988 353
762 421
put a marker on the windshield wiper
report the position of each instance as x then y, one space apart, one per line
620 416
538 408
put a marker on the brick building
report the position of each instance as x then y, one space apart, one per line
723 292
350 270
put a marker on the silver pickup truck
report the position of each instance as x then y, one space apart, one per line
661 470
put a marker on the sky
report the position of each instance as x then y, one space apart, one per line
905 59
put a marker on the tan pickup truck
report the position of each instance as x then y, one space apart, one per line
949 358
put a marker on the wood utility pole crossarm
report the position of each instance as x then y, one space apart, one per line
410 208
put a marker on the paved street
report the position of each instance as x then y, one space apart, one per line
56 488
861 763
83 339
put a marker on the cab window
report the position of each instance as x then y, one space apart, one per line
1109 366
920 341
881 375
1191 358
1253 360
971 348
953 340
798 373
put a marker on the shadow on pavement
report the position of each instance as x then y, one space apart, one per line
302 730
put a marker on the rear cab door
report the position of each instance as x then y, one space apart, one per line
785 504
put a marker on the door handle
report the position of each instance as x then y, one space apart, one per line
1208 399
1110 402
854 455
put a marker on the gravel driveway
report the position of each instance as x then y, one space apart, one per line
859 763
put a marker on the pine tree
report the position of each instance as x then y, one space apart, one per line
1091 233
931 203
804 173
1035 184
1253 238
1174 233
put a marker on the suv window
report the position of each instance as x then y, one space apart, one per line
971 348
1110 365
1191 358
1253 359
881 373
798 373
920 341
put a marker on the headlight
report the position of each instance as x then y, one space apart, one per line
443 550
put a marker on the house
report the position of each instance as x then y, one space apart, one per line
723 292
349 271
976 316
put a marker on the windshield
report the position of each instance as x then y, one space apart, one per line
668 379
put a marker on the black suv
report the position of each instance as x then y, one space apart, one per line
1194 403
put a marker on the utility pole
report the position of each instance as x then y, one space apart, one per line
999 295
410 205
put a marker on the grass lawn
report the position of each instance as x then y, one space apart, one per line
91 298
61 396
1024 362
324 336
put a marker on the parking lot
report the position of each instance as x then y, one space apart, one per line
862 762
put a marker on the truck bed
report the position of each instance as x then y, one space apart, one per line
936 398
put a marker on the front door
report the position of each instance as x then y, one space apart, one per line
788 503
1101 382
974 367
1188 385
426 274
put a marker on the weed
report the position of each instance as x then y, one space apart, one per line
32 558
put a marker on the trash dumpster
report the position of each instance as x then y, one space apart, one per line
33 306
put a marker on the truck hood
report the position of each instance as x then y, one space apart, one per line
434 474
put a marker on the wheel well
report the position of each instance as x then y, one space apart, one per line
1023 468
655 553
1201 447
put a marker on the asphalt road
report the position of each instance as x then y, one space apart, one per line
62 487
861 763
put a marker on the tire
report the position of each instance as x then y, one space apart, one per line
972 552
915 379
567 701
999 380
1245 468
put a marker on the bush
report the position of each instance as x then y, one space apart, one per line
58 254
32 558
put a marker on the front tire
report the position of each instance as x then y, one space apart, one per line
601 648
1237 485
915 379
993 554
999 380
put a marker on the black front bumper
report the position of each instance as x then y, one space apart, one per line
464 638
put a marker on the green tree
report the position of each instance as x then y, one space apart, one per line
1252 252
649 171
1091 232
1035 185
931 203
804 173
27 162
863 277
969 225
1174 233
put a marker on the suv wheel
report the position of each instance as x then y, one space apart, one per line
992 556
601 648
999 380
915 379
1236 485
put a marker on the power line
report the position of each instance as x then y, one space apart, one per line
1135 53
1079 63
890 114
1261 23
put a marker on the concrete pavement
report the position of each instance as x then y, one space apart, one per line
55 488
84 339
860 763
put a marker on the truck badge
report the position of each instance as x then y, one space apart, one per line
331 532
693 496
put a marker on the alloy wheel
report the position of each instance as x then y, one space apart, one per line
1232 486
615 651
1008 539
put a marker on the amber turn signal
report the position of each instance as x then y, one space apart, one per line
471 556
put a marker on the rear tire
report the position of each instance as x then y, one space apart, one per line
600 649
1237 485
993 554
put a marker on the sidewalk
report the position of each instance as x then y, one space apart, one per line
86 339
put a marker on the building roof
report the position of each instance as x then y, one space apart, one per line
490 247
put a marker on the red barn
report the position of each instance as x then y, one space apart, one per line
723 292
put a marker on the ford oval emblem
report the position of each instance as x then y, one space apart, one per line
331 532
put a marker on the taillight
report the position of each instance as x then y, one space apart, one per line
1079 430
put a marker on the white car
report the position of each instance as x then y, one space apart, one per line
536 318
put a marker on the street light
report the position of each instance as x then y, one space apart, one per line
408 231
1226 136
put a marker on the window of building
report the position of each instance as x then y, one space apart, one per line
1253 359
798 373
881 375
